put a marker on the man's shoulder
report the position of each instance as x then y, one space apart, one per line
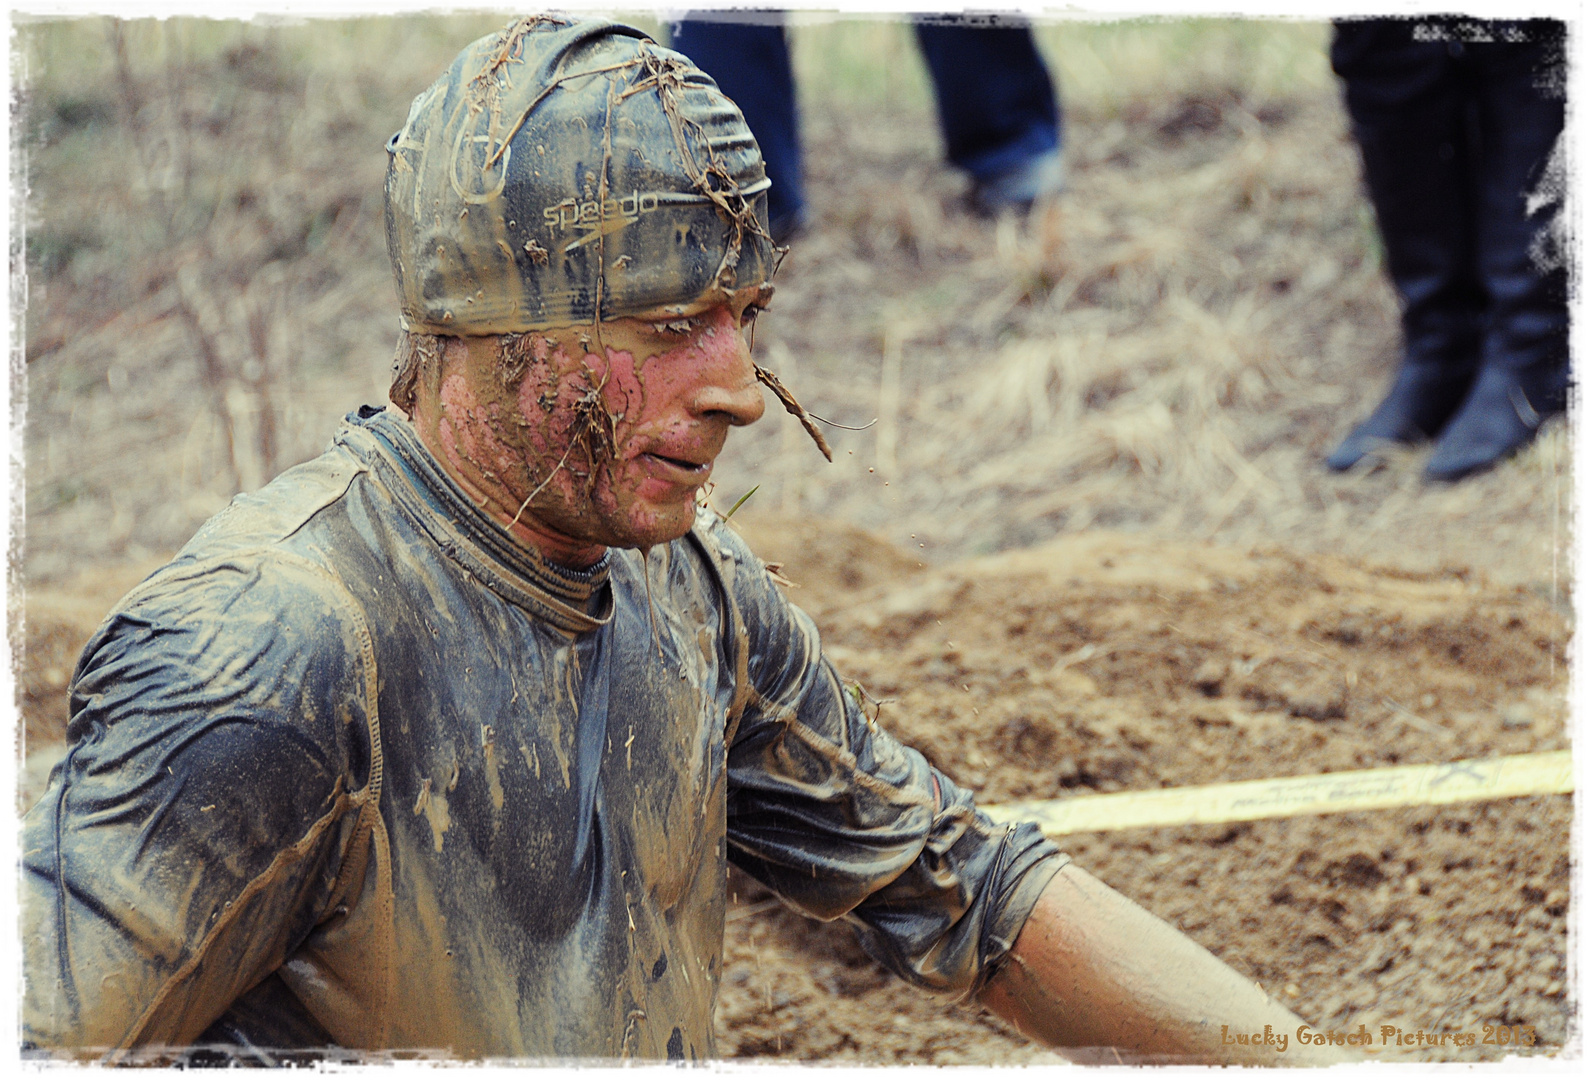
255 569
747 582
263 635
721 555
260 520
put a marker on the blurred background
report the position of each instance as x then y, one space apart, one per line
1168 351
1172 348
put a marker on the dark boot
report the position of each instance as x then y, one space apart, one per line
1524 377
1500 417
1424 396
1414 121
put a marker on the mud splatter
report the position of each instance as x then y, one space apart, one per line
433 804
493 773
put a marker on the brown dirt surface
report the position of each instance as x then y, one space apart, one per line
1108 662
1111 662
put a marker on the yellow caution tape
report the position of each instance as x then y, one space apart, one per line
1328 793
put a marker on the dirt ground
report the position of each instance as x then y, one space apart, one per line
1085 545
1110 662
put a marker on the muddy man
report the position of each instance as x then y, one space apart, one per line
444 741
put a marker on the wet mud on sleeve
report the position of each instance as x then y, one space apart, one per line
841 820
191 836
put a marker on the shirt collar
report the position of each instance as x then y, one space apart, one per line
575 601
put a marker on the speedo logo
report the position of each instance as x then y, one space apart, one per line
595 218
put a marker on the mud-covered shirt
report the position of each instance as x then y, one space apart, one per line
358 769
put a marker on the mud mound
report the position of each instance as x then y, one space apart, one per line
1123 663
826 563
1110 662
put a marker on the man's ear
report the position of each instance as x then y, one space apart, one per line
417 357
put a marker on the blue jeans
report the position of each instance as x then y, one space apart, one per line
997 107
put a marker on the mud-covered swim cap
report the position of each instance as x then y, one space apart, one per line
568 170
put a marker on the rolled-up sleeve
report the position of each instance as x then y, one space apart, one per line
192 834
841 820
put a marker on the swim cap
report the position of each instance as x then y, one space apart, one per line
564 171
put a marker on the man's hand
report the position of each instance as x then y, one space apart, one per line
1092 970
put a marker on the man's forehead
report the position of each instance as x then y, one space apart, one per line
712 298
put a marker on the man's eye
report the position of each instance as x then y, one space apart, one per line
749 315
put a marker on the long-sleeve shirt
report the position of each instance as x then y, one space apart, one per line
357 769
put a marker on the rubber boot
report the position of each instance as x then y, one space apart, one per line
1414 122
1524 376
1423 398
1498 419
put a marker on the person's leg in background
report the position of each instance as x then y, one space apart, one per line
997 109
1523 363
750 61
1411 113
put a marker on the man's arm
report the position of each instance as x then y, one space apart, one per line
192 835
1092 969
830 812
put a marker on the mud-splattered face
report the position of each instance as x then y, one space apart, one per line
580 440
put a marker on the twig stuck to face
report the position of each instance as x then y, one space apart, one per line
593 432
794 408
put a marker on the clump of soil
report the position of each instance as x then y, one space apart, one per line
1111 662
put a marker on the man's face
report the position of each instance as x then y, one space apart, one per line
582 441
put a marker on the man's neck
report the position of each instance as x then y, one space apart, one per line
498 503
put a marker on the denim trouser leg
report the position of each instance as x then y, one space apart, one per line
751 64
996 102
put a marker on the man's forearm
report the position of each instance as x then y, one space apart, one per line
1092 969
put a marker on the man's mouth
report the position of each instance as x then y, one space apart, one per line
683 465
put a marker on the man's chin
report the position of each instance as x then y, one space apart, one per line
661 525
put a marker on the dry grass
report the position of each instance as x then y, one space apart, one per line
206 260
1172 348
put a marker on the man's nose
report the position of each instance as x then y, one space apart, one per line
728 385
